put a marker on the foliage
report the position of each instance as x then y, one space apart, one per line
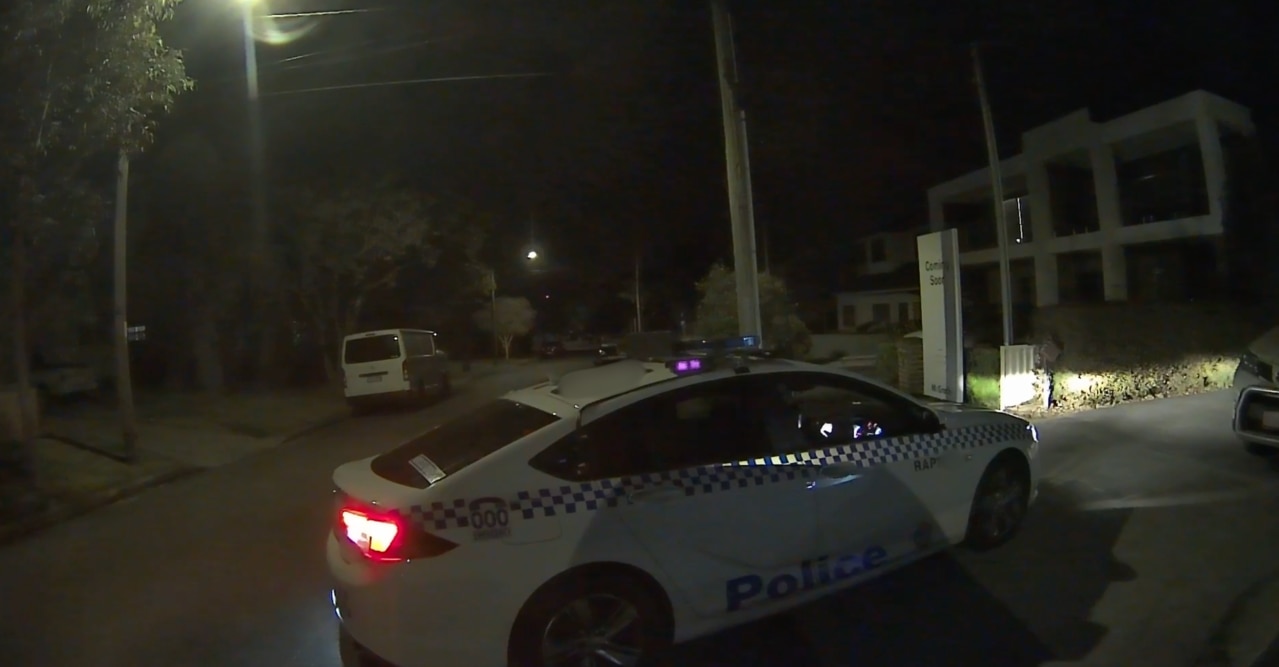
1191 375
717 311
982 379
345 244
82 78
886 365
507 317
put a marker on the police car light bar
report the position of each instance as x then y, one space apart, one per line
684 366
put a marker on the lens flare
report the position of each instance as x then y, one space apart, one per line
271 28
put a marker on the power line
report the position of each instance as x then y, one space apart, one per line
329 12
338 57
406 82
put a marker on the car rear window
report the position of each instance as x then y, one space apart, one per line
372 348
460 442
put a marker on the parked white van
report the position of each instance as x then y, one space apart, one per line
393 364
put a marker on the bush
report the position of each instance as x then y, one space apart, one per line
1194 375
886 363
981 381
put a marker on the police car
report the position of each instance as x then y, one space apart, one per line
596 519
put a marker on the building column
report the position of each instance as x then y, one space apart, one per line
1041 226
1047 292
1214 162
1114 266
1114 272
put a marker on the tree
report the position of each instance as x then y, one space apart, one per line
717 311
512 315
190 244
82 78
345 244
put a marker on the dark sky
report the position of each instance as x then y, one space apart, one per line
855 106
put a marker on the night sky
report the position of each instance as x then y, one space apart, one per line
855 107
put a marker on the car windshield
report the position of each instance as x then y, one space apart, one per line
462 441
372 348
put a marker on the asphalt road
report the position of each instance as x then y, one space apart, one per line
1151 521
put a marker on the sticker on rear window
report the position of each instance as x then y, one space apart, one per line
426 468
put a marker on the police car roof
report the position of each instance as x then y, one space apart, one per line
578 388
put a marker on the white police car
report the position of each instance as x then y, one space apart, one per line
597 519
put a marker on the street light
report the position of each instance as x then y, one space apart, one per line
532 255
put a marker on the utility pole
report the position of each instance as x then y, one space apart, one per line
737 157
639 310
120 325
493 312
997 191
263 265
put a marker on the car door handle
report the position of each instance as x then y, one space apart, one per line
656 494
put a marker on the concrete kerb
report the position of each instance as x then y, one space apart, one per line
60 510
65 509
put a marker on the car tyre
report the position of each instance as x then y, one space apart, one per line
446 386
591 620
999 505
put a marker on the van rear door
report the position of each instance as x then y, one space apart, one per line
374 363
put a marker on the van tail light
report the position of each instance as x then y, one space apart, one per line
404 368
386 536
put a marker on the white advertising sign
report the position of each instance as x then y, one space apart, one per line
940 308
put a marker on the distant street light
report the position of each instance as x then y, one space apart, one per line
532 255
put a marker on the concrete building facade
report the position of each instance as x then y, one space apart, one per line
1130 208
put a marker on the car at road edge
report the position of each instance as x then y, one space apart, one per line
498 537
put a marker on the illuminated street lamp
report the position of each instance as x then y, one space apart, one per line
532 255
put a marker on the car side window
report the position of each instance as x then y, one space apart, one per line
703 424
814 410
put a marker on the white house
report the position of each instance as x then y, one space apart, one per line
884 281
1130 208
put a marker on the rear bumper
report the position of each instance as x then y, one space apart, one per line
450 613
355 654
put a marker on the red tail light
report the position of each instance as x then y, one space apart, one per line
386 536
372 535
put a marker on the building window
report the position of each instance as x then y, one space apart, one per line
1080 278
974 223
903 312
878 250
1073 196
1182 270
882 312
848 316
1165 186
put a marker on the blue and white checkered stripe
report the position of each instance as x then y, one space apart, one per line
581 497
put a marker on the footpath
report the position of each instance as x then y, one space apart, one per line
79 458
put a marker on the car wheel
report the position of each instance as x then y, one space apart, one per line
999 506
591 621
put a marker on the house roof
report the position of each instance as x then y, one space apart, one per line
905 277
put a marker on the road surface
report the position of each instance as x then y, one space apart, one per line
1150 523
